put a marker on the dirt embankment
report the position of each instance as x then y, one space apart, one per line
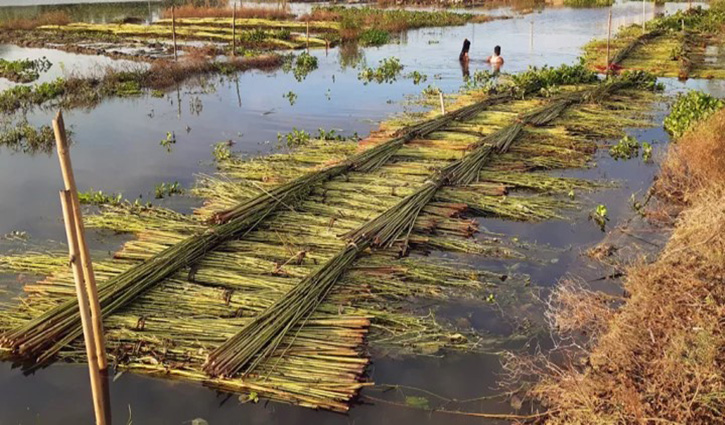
658 354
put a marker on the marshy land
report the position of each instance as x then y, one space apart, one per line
315 213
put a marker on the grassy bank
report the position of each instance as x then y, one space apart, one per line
660 356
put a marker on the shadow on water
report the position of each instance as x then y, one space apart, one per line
117 149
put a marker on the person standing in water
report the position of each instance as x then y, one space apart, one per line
496 59
463 58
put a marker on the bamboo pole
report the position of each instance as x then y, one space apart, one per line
173 30
531 37
644 16
443 105
97 393
85 258
234 29
609 36
308 36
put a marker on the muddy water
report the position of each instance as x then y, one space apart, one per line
117 149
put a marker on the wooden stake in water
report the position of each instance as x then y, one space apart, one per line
443 105
97 393
609 36
84 253
234 29
173 30
531 41
308 36
644 16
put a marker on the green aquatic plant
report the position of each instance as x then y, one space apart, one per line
417 77
92 197
646 152
600 216
294 138
169 141
25 138
387 71
374 37
300 65
688 109
23 70
626 148
163 190
222 151
430 91
291 97
588 3
332 134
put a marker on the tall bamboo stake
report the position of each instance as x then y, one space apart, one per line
531 41
85 257
644 15
234 30
99 406
443 105
609 36
308 36
173 30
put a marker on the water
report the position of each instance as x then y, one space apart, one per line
117 149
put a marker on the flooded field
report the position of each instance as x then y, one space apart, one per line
118 147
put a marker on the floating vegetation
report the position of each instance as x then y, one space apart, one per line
688 109
25 138
626 148
387 71
189 283
77 91
374 37
600 216
417 77
588 3
646 152
92 197
169 141
294 138
23 70
165 190
291 97
222 151
300 65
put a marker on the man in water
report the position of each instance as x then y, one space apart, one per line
496 59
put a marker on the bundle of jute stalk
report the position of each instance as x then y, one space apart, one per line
42 337
262 337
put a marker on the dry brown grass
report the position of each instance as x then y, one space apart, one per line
695 161
166 73
660 357
246 12
48 18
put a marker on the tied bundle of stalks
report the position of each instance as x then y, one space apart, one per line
261 338
624 52
40 339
